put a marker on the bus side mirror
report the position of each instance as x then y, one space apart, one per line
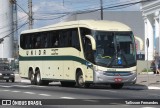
93 42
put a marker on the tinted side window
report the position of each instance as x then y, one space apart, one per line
51 39
44 40
64 38
22 41
69 38
54 39
25 41
75 39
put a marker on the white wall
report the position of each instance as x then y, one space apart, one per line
6 21
151 14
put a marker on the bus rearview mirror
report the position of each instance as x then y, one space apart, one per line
93 42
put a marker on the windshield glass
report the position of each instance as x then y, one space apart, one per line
115 49
4 67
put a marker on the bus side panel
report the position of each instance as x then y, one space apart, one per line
69 71
53 69
89 74
23 69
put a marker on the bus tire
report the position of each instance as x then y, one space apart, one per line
38 79
80 80
32 78
117 86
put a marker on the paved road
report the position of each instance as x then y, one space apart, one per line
23 90
144 81
55 91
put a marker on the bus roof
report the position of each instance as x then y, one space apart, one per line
102 25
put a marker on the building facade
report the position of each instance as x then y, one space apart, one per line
151 16
6 29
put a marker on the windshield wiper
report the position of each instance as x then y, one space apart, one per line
114 58
122 54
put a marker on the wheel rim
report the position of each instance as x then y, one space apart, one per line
32 77
38 78
81 80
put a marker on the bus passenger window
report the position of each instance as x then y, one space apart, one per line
23 41
75 39
45 42
33 41
56 43
38 42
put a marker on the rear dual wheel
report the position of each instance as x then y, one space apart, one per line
39 81
32 78
36 79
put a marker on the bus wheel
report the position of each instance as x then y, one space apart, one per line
38 79
32 78
80 80
117 86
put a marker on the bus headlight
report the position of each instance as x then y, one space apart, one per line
0 73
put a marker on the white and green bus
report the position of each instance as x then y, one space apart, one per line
79 53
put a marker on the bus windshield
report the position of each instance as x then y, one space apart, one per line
115 49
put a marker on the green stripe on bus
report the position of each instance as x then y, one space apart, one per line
47 58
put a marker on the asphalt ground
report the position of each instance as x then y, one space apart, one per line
144 81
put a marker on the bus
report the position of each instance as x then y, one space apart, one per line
79 53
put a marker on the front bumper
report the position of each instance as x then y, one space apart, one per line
7 76
110 77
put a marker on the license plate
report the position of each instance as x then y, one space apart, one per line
118 79
5 77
